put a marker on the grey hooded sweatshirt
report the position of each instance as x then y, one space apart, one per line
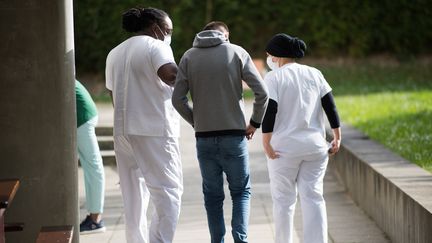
212 71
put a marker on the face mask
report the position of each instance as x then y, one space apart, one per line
272 65
167 39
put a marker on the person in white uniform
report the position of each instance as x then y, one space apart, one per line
294 139
140 73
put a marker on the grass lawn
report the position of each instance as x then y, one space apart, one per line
402 121
391 104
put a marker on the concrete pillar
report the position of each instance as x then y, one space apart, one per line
37 114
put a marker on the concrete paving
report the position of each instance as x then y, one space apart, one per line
347 222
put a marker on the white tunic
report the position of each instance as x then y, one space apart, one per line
142 100
299 125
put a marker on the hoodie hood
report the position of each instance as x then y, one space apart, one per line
209 38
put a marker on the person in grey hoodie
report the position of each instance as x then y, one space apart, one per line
212 71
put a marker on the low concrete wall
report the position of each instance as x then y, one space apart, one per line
396 193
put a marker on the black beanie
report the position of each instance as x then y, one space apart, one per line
283 45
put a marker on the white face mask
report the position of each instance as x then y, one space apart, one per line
272 65
167 39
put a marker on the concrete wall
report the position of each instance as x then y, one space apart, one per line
37 107
396 193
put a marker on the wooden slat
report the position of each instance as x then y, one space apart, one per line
55 234
11 227
8 189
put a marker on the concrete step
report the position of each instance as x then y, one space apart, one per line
106 142
104 131
108 157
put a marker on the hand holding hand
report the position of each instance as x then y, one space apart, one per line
250 130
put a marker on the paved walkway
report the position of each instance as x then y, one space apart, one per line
347 223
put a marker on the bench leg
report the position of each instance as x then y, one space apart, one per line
2 234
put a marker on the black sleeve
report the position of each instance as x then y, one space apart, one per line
254 124
269 117
329 107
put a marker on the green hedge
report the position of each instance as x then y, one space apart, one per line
329 27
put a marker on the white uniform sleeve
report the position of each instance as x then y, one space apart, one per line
271 83
161 54
108 73
323 85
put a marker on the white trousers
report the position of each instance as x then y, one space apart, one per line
149 168
303 176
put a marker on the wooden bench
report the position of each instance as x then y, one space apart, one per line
8 189
55 234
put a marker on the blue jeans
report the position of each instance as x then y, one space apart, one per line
226 154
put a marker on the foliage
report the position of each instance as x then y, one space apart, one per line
329 27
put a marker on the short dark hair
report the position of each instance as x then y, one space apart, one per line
214 25
152 15
137 19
